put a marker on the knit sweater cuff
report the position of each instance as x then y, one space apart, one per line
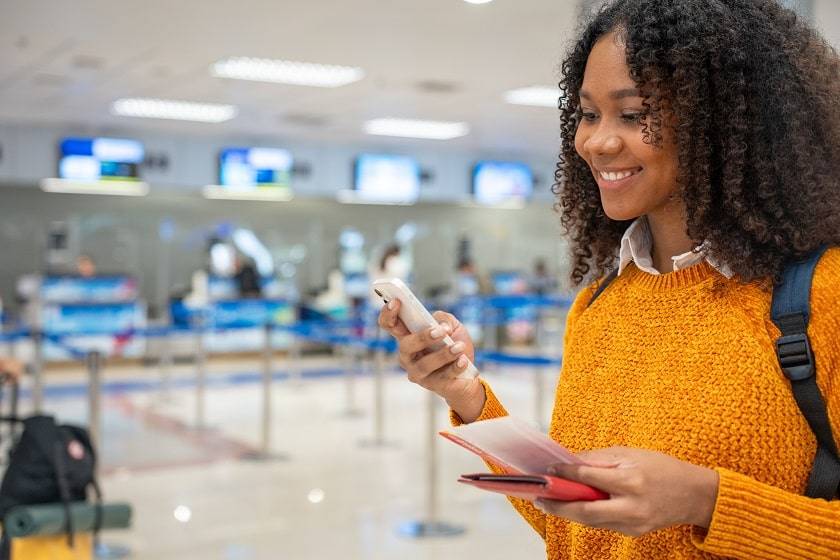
755 520
492 407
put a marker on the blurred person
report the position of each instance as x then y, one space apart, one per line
11 368
247 278
466 269
85 267
542 283
699 158
390 264
198 295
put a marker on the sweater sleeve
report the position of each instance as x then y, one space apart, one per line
494 409
753 520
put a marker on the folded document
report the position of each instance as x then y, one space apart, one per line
525 454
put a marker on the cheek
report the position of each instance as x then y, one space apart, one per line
580 141
661 184
667 167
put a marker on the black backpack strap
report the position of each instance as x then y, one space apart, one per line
791 312
603 286
64 490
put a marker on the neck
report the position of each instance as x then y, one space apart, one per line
669 237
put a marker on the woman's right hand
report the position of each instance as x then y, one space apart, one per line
437 370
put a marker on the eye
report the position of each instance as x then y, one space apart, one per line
588 116
631 117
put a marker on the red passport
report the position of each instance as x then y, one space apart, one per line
531 487
524 454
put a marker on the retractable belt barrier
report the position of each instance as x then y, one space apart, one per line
349 335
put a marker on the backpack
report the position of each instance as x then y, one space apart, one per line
790 312
50 463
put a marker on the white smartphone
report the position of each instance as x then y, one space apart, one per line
415 316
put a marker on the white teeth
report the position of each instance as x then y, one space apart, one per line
615 176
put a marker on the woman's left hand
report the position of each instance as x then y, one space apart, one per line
648 491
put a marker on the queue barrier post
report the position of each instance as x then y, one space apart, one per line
38 371
93 362
431 526
199 324
264 453
539 397
349 359
295 352
379 356
165 364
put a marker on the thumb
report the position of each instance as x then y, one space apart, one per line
607 479
556 468
606 458
601 464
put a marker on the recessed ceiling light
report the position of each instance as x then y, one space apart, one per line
286 72
537 96
176 110
408 128
478 1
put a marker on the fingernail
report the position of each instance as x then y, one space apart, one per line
436 332
446 327
462 362
457 348
392 304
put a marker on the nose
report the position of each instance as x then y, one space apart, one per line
603 142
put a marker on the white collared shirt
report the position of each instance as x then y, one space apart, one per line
636 246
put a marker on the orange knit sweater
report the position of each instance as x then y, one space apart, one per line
668 363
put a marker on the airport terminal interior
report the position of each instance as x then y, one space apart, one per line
195 198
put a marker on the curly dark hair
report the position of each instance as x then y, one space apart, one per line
755 96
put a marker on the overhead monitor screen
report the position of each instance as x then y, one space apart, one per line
99 159
387 178
499 182
251 168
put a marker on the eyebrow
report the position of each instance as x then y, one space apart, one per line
616 94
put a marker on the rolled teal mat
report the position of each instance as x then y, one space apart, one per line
48 519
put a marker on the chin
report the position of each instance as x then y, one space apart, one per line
619 212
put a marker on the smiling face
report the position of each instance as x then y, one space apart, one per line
634 178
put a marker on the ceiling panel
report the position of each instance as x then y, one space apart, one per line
65 62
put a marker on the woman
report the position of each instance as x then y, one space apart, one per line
699 156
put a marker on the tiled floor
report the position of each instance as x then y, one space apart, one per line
332 497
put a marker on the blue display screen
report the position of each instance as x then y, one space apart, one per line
74 289
497 182
87 319
247 168
238 313
387 178
100 159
